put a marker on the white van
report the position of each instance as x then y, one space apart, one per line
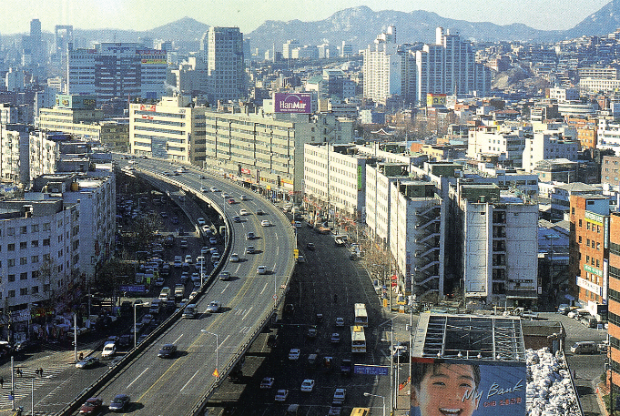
584 347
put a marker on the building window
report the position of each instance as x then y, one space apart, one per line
23 291
23 229
580 223
23 245
34 243
35 274
11 277
46 241
35 228
11 247
10 231
23 260
46 257
11 293
23 276
34 259
11 262
35 290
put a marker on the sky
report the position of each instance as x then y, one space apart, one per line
140 15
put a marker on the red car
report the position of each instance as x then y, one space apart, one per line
93 406
231 201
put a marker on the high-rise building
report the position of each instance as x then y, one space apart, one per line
287 48
225 64
613 329
112 70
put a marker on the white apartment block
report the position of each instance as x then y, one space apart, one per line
594 85
608 135
500 247
95 195
336 176
383 68
13 156
39 257
544 146
379 179
44 152
173 129
508 145
268 151
563 94
417 228
288 47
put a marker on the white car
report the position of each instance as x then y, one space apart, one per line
244 212
235 258
281 395
339 396
214 307
339 322
307 385
214 189
178 262
265 223
261 270
294 354
188 259
201 221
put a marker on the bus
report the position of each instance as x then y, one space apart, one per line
361 317
358 339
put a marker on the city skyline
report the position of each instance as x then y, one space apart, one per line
141 15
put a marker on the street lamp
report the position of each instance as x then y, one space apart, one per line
135 332
376 395
216 373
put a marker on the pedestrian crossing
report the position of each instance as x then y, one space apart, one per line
23 384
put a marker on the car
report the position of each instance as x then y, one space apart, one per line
244 198
214 189
88 362
193 294
377 286
147 319
201 221
225 195
281 395
184 277
237 219
109 349
400 352
214 306
250 235
163 214
189 312
301 259
312 332
234 257
119 403
92 406
212 241
260 212
265 223
294 354
244 212
297 224
334 411
250 250
206 229
183 244
167 351
307 385
335 339
224 275
160 281
310 246
231 201
339 396
178 262
339 321
261 270
114 362
216 263
125 341
188 259
266 383
203 189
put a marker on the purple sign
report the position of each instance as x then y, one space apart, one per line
293 103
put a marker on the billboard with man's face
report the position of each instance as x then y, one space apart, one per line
441 387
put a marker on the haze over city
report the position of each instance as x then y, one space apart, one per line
248 15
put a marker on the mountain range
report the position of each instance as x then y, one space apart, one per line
361 25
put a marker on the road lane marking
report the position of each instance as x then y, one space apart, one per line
247 313
136 379
190 379
178 338
264 288
225 287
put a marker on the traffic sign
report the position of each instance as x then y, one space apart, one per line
275 297
372 370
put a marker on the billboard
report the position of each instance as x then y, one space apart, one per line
434 100
293 103
467 387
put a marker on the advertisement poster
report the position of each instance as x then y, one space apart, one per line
293 103
467 387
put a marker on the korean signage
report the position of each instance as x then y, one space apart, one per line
590 286
470 387
245 171
293 103
434 100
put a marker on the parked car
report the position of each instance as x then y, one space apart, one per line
267 383
307 385
281 395
294 354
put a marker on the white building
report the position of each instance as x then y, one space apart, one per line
37 260
608 135
335 175
563 94
500 246
288 47
508 145
14 155
417 229
383 68
548 145
172 129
